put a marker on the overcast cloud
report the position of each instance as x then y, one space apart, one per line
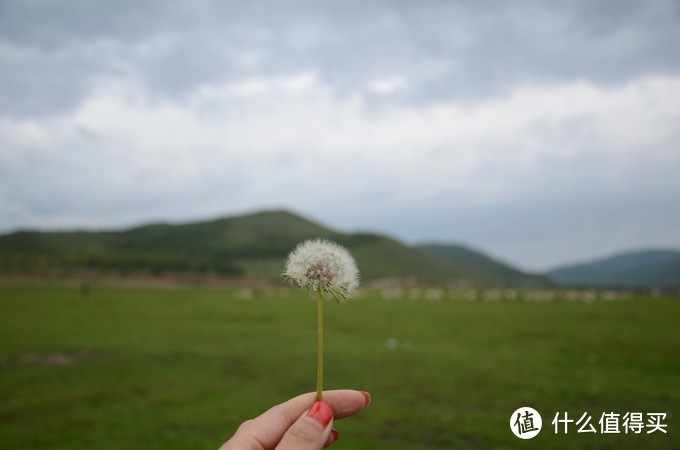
540 133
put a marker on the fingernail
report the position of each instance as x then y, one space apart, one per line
367 396
321 414
334 435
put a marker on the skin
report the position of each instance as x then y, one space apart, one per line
288 427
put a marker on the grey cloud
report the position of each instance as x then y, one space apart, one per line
459 50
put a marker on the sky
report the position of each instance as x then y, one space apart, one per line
542 133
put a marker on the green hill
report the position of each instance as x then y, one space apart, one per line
253 245
643 269
483 269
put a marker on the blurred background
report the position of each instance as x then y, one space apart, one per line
506 175
543 133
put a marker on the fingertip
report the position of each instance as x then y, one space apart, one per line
320 414
312 430
347 402
367 397
335 435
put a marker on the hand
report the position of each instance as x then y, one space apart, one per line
301 423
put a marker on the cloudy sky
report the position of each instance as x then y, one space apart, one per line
542 133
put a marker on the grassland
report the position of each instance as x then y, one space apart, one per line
127 367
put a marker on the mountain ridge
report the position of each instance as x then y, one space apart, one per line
645 268
487 269
250 245
256 244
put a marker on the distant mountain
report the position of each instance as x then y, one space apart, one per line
253 245
482 268
644 269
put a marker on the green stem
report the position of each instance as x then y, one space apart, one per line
319 345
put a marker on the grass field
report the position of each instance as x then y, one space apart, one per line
181 367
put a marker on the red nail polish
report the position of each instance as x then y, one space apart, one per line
320 413
335 435
367 396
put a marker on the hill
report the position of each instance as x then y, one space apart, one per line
253 245
483 269
644 269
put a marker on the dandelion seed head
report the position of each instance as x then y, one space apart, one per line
322 265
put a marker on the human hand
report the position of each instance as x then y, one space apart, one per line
301 423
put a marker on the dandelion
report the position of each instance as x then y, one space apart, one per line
322 267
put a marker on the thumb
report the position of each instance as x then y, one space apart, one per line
310 431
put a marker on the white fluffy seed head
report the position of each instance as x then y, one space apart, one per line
321 265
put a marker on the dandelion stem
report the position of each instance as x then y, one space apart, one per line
319 345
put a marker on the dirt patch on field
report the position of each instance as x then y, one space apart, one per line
54 358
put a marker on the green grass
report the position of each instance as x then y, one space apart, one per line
181 368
